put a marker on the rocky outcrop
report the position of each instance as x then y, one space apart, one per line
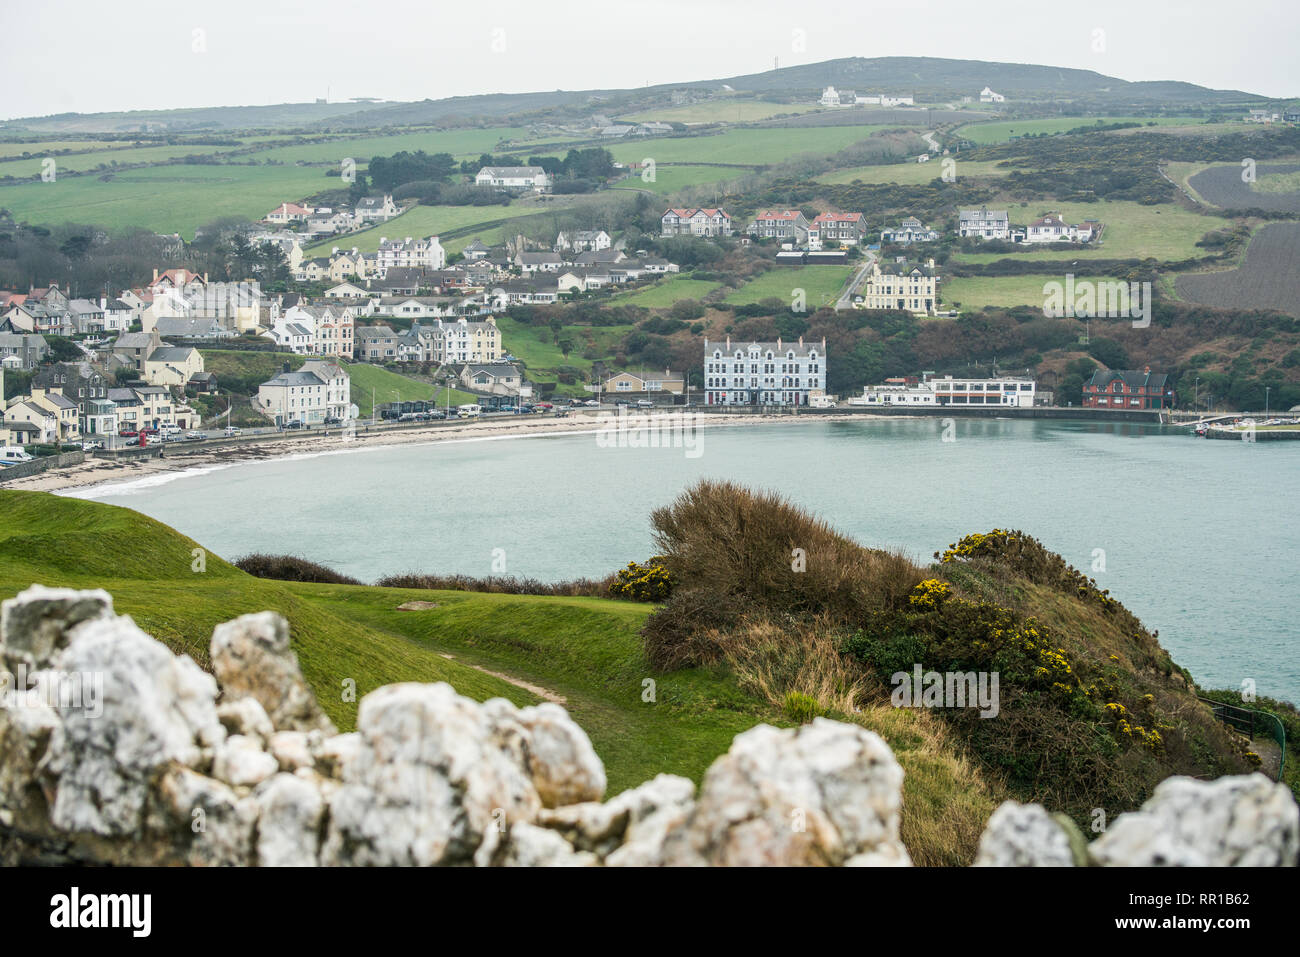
115 751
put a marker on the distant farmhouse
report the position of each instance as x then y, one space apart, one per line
988 96
521 179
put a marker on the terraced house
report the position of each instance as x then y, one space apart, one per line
902 286
465 341
764 373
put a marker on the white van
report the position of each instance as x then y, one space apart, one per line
169 428
469 411
12 455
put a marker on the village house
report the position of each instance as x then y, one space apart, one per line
287 213
85 385
39 423
787 225
984 224
847 229
1128 389
1052 228
583 239
696 221
529 291
539 262
23 351
514 178
988 96
172 365
465 341
909 231
493 378
623 383
764 373
900 286
376 344
411 253
315 392
375 209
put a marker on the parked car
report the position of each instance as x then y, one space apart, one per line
645 403
333 420
231 430
593 403
195 435
153 439
149 430
545 406
437 414
128 433
294 424
91 446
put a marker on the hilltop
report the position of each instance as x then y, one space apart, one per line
930 79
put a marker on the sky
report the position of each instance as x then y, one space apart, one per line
93 56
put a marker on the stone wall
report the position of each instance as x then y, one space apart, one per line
113 750
41 464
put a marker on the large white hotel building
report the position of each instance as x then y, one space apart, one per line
764 373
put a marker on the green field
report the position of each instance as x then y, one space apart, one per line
459 143
45 147
665 292
1166 232
78 162
976 292
821 285
720 109
166 199
999 131
419 221
540 351
672 179
744 147
1277 183
913 174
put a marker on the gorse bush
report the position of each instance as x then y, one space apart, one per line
291 568
648 582
500 585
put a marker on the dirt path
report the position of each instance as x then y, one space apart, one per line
528 686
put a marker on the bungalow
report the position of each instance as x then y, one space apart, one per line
988 96
539 262
632 382
787 225
526 291
514 178
287 213
1052 228
346 290
910 231
179 328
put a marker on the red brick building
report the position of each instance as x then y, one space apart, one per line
1127 389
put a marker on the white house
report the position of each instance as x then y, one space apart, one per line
522 178
583 239
988 96
424 253
1052 228
375 209
317 391
696 221
983 223
830 97
910 231
764 373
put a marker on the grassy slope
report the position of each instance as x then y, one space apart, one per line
1000 132
665 292
585 649
821 284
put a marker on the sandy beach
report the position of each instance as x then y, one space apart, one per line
180 457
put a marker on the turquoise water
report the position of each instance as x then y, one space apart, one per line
1200 539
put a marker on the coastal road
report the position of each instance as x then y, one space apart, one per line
846 297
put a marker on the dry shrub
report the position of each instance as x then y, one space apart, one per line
291 568
733 551
501 585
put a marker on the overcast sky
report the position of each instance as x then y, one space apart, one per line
91 55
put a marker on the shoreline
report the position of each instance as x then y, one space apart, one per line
96 473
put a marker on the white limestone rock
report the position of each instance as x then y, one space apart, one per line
251 657
817 795
531 846
637 816
245 716
288 831
34 624
551 749
291 749
240 761
429 784
200 820
1023 835
1241 821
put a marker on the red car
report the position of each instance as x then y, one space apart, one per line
128 434
149 430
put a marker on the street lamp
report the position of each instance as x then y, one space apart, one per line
1196 392
1266 391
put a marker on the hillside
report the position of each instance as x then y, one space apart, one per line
646 713
929 78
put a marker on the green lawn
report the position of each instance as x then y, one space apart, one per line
974 293
537 348
821 285
999 131
667 291
672 179
1166 232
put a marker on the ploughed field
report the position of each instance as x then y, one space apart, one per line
1222 186
1268 279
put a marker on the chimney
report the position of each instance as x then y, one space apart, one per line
155 273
